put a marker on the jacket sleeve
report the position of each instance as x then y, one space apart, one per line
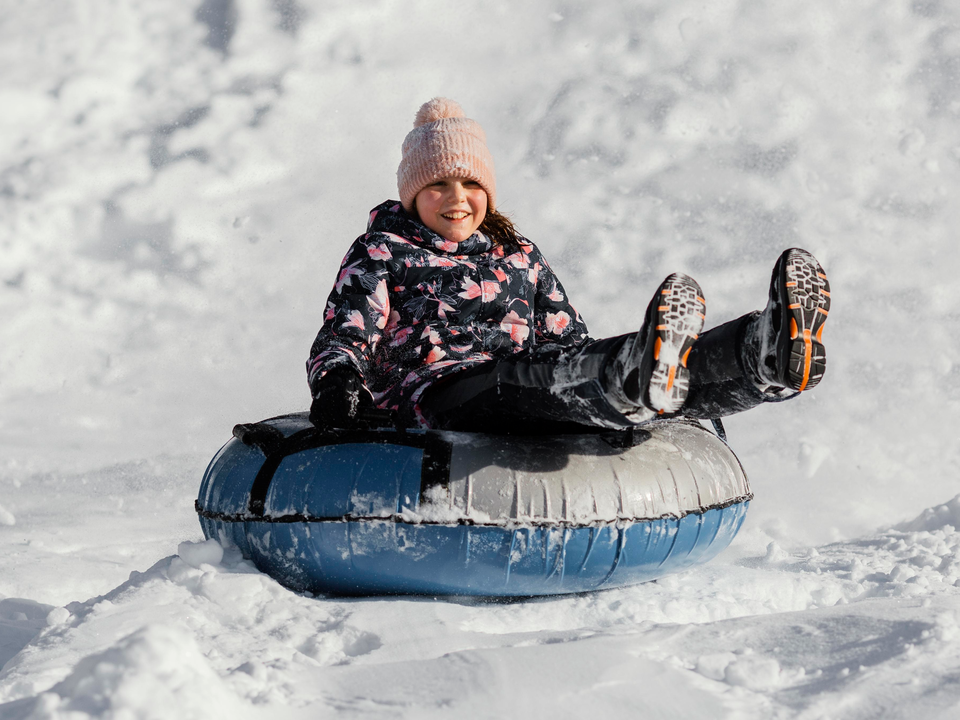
356 314
555 319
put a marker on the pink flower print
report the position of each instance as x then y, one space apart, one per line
533 273
330 313
557 322
392 322
440 261
434 355
372 217
490 291
470 289
461 348
516 326
380 303
433 335
501 275
346 274
380 252
518 260
355 319
401 337
447 245
486 290
442 309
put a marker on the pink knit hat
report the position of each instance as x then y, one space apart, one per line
444 143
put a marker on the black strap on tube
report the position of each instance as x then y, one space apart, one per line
435 466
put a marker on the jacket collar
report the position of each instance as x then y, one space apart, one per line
390 217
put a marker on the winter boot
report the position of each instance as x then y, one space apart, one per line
784 343
651 369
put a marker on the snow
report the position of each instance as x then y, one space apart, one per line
175 197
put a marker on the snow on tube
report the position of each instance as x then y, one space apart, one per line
387 511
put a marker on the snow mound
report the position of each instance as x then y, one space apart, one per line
193 632
152 669
895 563
941 517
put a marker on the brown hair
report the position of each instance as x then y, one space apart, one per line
501 230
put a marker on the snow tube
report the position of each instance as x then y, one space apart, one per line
388 510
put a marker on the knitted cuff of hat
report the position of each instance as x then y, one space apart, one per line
444 143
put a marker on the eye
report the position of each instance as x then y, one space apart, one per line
471 184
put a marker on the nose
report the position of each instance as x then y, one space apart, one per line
459 192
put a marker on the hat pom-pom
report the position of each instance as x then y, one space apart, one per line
435 109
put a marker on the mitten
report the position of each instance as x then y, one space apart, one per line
339 399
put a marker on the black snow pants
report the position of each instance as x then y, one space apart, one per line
553 389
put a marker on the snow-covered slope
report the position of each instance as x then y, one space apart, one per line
178 183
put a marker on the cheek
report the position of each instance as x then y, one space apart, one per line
427 202
479 203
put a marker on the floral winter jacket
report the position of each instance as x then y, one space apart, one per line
410 307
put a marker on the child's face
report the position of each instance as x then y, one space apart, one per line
452 207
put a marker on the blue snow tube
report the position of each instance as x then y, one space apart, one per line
387 510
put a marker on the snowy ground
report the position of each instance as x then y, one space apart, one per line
178 182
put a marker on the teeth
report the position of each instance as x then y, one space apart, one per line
455 215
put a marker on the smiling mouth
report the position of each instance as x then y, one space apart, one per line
458 215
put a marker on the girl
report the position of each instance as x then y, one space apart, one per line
444 314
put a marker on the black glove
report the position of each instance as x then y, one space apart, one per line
339 399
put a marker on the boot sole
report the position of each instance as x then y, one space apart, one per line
678 320
806 305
